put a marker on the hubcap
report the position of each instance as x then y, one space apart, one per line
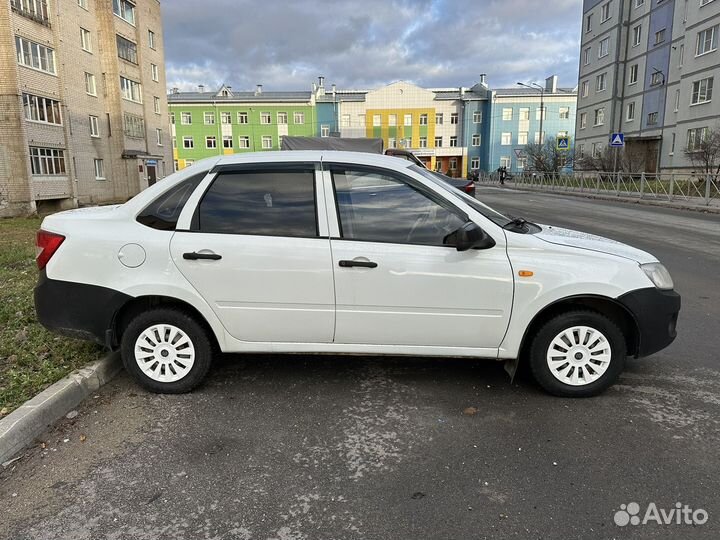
579 355
164 353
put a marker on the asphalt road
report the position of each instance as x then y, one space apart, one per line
322 447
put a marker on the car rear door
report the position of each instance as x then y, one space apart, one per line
257 252
396 281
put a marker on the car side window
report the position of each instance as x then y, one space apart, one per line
267 202
378 207
163 213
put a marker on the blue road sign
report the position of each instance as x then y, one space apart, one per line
617 140
563 143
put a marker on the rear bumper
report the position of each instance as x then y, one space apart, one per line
77 310
656 315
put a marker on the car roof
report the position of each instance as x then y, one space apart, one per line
360 158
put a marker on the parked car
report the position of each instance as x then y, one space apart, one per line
343 252
466 185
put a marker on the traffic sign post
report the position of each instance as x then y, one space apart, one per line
563 142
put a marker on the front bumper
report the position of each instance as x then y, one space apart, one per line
656 314
77 310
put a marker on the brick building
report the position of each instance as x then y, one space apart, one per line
83 107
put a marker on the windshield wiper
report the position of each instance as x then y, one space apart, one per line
517 224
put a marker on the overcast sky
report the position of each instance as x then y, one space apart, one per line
285 45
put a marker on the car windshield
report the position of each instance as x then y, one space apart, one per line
493 215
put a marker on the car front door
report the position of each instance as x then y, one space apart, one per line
397 281
254 250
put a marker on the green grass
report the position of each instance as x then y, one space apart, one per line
31 358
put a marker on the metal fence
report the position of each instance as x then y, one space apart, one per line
693 189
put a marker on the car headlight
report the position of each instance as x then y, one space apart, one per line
659 275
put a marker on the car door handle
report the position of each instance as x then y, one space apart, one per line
194 256
361 264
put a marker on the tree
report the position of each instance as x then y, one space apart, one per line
703 150
546 158
629 160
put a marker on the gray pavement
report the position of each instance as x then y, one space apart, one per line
323 447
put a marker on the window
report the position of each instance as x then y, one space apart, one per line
125 10
630 116
677 100
439 119
265 118
90 86
506 138
474 163
453 141
657 78
521 163
422 142
267 203
242 117
324 131
583 120
453 164
604 47
33 9
375 207
588 23
506 162
154 72
134 126
185 118
672 145
210 142
453 118
585 89
639 3
524 113
83 4
423 120
438 142
392 143
581 150
564 113
637 35
34 55
174 142
406 142
659 36
244 142
225 118
163 213
477 117
523 137
633 78
298 117
600 116
130 90
41 109
605 12
94 126
282 118
541 113
159 136
392 120
652 118
586 55
267 142
539 137
99 169
85 41
476 139
407 120
706 41
47 161
695 138
597 149
601 82
376 120
151 39
188 143
507 114
702 91
227 141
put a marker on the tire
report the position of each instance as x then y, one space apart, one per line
586 350
166 351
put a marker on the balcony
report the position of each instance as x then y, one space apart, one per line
18 8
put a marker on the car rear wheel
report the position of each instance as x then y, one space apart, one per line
166 351
577 354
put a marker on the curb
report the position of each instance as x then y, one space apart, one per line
600 197
20 427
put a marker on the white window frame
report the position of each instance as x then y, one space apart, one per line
423 119
522 138
242 117
601 82
604 47
99 165
564 113
475 139
702 94
94 122
439 119
266 142
711 43
186 118
125 10
47 161
630 112
438 138
159 136
477 117
210 142
298 118
85 40
453 141
156 104
188 139
507 114
587 54
633 77
282 118
90 84
585 89
583 120
227 139
407 120
243 141
265 118
605 14
506 161
474 163
660 36
324 130
652 118
151 39
38 107
506 138
225 118
422 142
33 55
154 72
599 114
637 35
454 119
376 120
130 90
209 118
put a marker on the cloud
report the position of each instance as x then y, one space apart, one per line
287 45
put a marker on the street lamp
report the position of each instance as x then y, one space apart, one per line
542 105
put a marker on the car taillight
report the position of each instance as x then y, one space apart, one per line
47 244
469 187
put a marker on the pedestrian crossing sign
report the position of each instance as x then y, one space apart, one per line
617 139
563 143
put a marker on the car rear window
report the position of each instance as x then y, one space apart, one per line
164 211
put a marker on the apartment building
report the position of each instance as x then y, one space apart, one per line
647 69
83 100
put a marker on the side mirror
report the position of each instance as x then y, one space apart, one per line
469 236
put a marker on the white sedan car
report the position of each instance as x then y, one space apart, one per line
339 252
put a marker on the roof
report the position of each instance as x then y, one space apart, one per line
521 91
264 97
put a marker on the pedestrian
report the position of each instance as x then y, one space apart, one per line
503 175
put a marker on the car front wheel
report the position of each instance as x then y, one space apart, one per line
166 351
577 354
